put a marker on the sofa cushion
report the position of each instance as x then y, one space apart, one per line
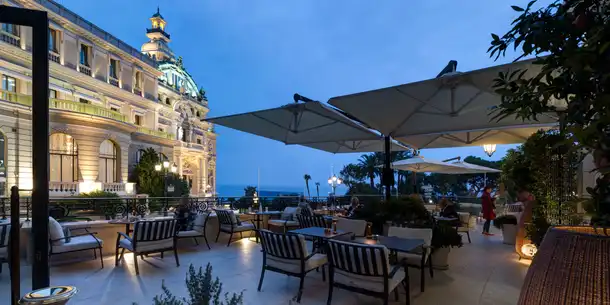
282 223
370 283
289 213
189 233
56 232
145 246
241 228
199 222
78 243
294 265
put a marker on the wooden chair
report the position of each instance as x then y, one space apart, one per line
364 269
420 258
156 236
287 254
230 224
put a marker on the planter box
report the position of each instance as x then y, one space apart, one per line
509 234
440 258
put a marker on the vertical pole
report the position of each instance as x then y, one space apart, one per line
387 171
14 256
40 153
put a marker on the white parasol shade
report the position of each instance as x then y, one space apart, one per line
469 168
420 164
310 124
455 106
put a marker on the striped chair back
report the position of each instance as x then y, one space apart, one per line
285 246
306 210
312 221
366 260
5 231
224 217
152 233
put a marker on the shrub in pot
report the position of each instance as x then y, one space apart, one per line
444 237
508 225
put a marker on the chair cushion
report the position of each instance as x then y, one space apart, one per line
200 222
289 213
78 243
282 223
243 227
56 232
425 234
3 253
413 258
370 283
355 226
145 246
189 233
294 265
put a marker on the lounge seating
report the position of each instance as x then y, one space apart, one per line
5 231
420 258
357 227
197 230
65 241
288 219
465 224
229 223
287 254
149 236
364 269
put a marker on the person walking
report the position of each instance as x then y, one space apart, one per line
488 209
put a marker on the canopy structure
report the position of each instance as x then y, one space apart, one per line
470 168
310 124
420 164
454 109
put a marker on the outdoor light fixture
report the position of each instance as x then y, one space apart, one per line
174 168
529 250
166 164
158 167
489 149
334 182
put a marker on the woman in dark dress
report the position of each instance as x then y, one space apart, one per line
447 209
488 209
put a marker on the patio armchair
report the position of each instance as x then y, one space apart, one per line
364 269
421 257
357 227
312 221
63 240
197 229
287 254
5 231
465 225
149 236
229 223
287 219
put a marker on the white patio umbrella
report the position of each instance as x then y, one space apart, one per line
420 164
310 124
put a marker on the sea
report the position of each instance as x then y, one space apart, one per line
225 190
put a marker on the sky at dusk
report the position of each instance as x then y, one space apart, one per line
251 55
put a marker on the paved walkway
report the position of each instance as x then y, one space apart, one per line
485 272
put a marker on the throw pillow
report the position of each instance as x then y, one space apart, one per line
235 219
67 235
56 232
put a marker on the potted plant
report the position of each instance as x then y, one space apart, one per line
508 225
444 237
203 290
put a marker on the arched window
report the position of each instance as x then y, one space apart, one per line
108 166
63 158
167 102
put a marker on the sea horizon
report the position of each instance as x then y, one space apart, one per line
237 190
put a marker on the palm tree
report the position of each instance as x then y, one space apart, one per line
369 163
318 189
307 178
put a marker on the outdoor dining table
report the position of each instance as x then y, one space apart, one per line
320 235
258 218
393 243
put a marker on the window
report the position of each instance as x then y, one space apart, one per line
198 114
108 166
139 155
52 93
84 55
9 83
115 109
10 28
167 101
54 41
113 68
63 157
84 101
137 120
198 141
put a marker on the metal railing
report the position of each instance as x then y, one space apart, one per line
53 56
86 108
113 81
10 38
161 134
84 69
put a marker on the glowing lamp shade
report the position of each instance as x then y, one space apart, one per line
570 268
339 181
529 250
165 164
158 167
330 181
174 169
489 149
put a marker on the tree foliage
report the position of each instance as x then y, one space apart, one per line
151 182
571 42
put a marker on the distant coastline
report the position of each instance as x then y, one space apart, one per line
227 190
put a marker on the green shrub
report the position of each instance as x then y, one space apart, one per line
504 220
98 194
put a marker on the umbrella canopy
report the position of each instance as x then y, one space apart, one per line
311 124
420 164
455 105
469 168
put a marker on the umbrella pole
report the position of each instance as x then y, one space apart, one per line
387 171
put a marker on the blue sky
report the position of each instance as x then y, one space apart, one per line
251 55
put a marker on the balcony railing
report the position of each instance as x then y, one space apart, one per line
53 56
84 69
63 188
113 81
114 187
16 98
86 108
10 38
160 134
137 91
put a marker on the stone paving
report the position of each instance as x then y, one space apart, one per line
485 272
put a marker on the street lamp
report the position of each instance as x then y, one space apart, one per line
489 149
334 182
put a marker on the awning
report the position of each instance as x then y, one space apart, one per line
310 124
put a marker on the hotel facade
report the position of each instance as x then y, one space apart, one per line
108 102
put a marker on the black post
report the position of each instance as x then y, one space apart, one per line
388 176
165 194
14 265
40 152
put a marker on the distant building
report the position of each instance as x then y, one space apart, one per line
108 102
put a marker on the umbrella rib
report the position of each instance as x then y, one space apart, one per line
423 103
459 111
480 137
513 134
429 142
354 125
453 138
271 122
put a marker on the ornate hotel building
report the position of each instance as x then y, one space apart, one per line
108 102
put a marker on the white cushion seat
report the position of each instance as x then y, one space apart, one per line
82 242
238 228
282 223
56 232
144 246
189 233
4 252
355 226
371 283
294 265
